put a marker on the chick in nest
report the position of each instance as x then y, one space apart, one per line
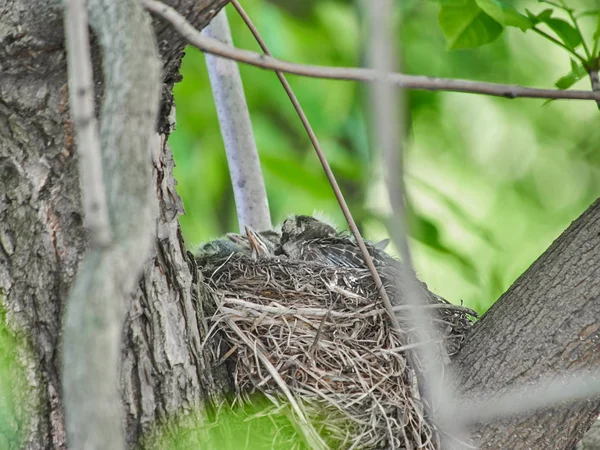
308 239
302 238
263 243
215 252
252 245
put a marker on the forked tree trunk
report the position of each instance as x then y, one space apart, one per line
548 321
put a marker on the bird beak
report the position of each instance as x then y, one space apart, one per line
257 246
237 239
382 245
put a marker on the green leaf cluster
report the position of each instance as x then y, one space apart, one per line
16 403
473 23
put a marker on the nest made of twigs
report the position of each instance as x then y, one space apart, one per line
318 337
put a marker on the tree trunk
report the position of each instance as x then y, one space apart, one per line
42 237
548 321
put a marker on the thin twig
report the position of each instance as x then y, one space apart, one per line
596 41
247 180
196 39
560 44
81 96
569 12
323 311
328 172
96 307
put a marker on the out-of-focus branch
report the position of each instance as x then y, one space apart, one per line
242 156
96 306
387 105
195 38
81 96
523 398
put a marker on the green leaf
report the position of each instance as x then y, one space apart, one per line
505 14
541 17
577 73
557 5
466 25
569 35
590 12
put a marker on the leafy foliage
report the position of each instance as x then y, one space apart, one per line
472 23
252 426
15 404
466 25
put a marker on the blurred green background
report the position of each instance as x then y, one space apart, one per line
491 182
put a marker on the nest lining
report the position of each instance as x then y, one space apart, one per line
318 338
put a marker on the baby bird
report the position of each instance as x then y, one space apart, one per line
263 243
215 252
308 239
302 238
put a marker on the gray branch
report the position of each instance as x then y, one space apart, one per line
418 82
83 114
544 328
242 156
106 276
548 391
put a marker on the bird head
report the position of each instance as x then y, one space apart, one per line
263 243
219 248
255 243
306 228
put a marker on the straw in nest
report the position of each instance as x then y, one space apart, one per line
317 337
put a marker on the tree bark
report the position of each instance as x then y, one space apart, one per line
547 322
42 237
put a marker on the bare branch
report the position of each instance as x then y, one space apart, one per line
416 82
242 156
106 276
81 96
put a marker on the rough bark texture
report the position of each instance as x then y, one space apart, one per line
591 440
546 323
42 236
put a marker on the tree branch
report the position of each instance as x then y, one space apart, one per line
106 276
236 128
214 47
81 95
526 398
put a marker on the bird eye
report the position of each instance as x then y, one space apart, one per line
208 247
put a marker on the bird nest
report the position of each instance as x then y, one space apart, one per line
318 339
